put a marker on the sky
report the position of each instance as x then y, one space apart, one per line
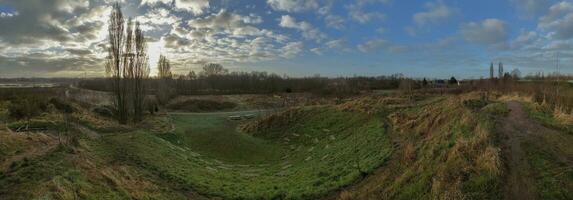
434 39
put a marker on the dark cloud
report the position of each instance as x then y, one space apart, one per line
38 21
39 65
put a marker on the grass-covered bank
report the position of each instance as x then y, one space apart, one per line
328 148
446 149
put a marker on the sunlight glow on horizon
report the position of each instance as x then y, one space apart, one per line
154 51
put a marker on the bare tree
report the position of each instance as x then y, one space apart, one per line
140 73
127 65
164 67
214 69
115 66
164 92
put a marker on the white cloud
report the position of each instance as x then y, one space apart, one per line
8 14
334 21
372 45
70 5
317 51
356 13
336 44
292 49
437 12
524 39
293 5
196 7
529 8
233 23
558 21
308 31
488 32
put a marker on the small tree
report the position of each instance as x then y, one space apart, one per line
26 108
164 92
515 74
214 69
453 81
192 75
164 68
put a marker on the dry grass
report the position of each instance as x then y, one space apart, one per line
446 152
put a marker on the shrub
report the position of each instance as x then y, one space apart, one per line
104 111
27 107
61 105
475 104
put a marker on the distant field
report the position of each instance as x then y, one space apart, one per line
27 85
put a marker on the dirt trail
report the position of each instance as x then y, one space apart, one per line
516 127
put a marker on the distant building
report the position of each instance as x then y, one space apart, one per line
491 71
500 70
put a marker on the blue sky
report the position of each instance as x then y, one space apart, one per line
436 38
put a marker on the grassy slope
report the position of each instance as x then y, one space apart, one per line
62 175
82 172
318 155
215 136
445 151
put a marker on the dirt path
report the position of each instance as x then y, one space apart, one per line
515 128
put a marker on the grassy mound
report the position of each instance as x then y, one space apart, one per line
446 150
199 105
325 148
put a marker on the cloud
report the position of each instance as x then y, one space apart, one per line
336 44
487 32
530 8
196 7
317 51
292 49
372 45
357 14
33 26
524 39
335 21
308 31
436 12
235 24
293 5
558 21
8 14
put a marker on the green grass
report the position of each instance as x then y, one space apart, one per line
442 155
553 179
308 159
216 136
496 109
52 176
545 116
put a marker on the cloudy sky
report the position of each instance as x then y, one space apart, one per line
435 38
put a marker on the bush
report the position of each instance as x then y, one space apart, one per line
475 104
26 107
104 111
61 105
